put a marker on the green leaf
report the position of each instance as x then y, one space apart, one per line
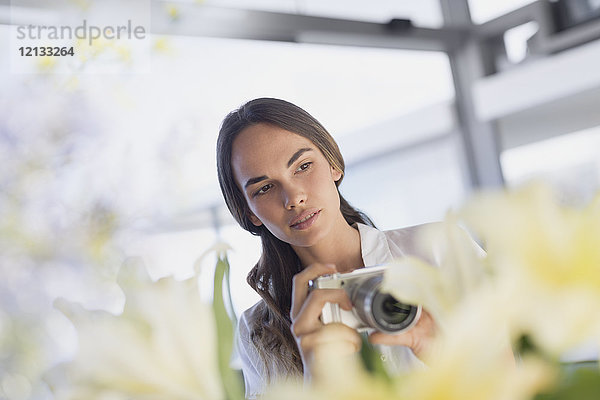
371 360
577 382
525 345
232 381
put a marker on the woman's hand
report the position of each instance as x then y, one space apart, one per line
419 338
307 328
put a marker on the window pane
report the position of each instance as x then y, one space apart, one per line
486 10
346 88
570 163
410 187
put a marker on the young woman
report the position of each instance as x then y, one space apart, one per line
279 171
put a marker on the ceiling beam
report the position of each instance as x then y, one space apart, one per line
201 20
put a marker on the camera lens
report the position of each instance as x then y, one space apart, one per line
388 311
381 310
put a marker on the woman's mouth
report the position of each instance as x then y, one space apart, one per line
306 221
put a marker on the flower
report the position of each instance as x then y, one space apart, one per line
471 356
163 345
473 359
472 363
547 261
441 289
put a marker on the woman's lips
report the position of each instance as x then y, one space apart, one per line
306 221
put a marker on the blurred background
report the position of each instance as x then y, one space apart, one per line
112 156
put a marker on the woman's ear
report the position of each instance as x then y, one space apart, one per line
254 219
337 175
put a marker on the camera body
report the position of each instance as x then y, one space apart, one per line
372 309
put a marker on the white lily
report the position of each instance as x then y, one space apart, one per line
547 261
460 271
162 346
471 363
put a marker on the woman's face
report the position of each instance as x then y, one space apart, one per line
287 182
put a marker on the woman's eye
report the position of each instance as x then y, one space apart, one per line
263 189
304 166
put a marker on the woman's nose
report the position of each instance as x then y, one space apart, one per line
294 197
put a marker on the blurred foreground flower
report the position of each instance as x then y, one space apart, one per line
542 263
473 359
469 366
460 274
546 258
472 356
163 345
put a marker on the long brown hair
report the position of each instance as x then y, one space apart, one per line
272 275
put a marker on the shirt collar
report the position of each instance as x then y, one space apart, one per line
374 246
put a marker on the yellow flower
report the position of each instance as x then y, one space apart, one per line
163 45
46 63
172 11
527 230
472 362
547 260
163 345
472 359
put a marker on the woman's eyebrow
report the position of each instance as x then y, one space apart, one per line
297 155
252 181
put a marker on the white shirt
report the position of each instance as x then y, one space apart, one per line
377 247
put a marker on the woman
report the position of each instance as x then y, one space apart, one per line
279 171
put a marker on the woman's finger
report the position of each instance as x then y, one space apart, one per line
335 337
402 339
300 284
307 319
419 338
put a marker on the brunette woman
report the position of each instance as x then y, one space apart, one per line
279 171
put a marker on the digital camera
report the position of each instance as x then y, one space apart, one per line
372 308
